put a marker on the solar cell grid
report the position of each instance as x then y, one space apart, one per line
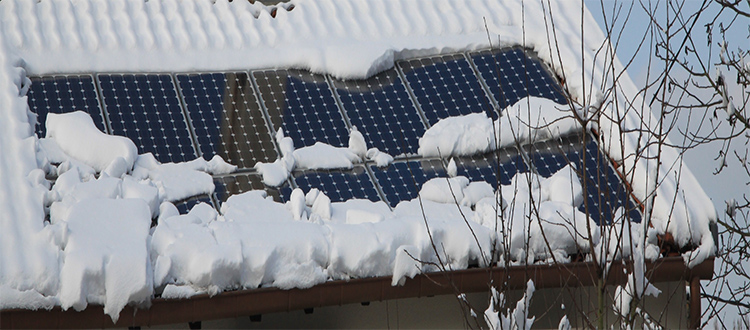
303 105
493 168
518 74
402 180
445 86
339 185
239 183
63 94
381 108
185 206
226 117
146 109
604 192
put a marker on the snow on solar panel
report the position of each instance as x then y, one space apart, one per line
146 109
63 94
518 74
239 183
303 105
381 108
445 86
339 185
604 192
493 168
402 180
185 206
226 117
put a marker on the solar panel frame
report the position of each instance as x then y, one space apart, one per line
402 180
323 117
236 128
439 95
184 206
337 183
507 92
602 181
396 126
176 133
604 192
507 162
88 97
237 183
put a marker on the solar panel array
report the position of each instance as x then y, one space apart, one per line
178 117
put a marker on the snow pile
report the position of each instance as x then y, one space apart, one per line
29 260
455 190
100 209
259 242
76 135
538 218
529 120
99 226
105 260
317 157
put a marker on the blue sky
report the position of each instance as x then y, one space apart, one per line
731 182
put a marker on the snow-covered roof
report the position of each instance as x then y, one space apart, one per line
49 263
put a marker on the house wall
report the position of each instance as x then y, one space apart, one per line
669 309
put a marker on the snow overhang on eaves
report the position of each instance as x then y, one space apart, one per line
336 293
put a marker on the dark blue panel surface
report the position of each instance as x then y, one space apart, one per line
603 189
240 183
303 105
380 107
185 206
518 74
226 117
146 109
402 180
446 86
63 94
339 185
495 167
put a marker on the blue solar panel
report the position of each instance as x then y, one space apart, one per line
339 185
517 74
235 118
239 183
146 109
380 107
185 206
402 180
303 105
604 193
63 94
445 86
495 167
226 117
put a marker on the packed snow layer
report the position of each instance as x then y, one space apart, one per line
318 156
529 120
28 258
105 255
350 39
77 136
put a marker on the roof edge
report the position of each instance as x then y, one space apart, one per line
335 293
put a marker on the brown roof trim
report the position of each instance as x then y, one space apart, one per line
333 293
